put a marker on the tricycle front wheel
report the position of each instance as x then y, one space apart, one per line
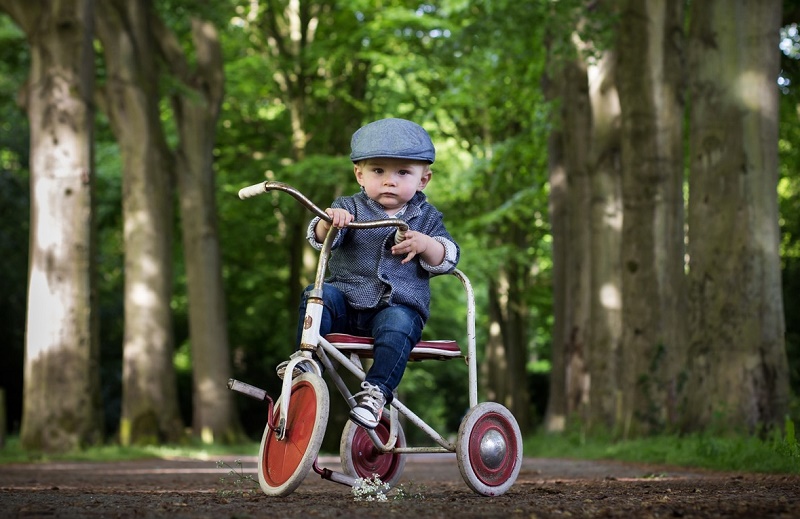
284 464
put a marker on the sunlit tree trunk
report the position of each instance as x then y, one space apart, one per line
196 113
737 362
130 99
653 313
606 236
61 396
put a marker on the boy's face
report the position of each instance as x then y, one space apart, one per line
392 182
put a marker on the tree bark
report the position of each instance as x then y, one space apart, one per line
568 149
507 345
577 121
737 359
606 241
517 335
130 97
214 414
61 395
555 419
653 314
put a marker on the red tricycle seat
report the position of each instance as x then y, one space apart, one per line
424 350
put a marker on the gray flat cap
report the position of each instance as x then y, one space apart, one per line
392 138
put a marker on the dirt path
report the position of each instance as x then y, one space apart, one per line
544 489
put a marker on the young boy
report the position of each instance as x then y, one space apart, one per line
379 288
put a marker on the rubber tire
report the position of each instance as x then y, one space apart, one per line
360 458
497 476
283 465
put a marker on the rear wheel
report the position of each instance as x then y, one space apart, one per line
361 459
284 464
489 449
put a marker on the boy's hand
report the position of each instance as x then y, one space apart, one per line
339 218
418 244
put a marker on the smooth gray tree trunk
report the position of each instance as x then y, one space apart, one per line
650 76
61 396
737 362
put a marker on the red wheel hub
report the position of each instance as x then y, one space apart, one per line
492 449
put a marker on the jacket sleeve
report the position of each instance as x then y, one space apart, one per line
435 228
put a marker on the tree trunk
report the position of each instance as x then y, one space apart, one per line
495 365
555 419
507 354
517 335
568 151
196 113
738 365
606 237
653 314
576 116
61 395
130 97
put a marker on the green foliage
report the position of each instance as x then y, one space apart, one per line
14 211
789 204
788 446
493 103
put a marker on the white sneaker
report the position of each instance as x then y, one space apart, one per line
367 413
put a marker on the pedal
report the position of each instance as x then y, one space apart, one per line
247 389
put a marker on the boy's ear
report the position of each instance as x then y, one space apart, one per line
424 179
358 174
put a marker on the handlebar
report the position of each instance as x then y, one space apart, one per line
267 186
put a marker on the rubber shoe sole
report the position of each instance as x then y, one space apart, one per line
364 417
296 372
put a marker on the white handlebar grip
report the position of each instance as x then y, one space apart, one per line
399 236
251 191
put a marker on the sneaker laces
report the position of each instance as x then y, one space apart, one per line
372 397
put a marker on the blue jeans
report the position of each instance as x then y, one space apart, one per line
395 329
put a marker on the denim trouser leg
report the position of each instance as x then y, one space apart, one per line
334 314
396 330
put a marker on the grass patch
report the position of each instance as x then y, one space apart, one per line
13 452
778 454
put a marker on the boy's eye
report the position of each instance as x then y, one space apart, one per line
404 172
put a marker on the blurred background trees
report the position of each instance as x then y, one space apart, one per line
624 192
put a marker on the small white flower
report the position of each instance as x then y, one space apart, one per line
370 489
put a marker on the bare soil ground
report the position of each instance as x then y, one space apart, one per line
545 488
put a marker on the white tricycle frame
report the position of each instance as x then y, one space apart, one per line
488 446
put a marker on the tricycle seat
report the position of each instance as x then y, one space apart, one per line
424 350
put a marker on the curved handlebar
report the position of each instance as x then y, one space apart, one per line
265 187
